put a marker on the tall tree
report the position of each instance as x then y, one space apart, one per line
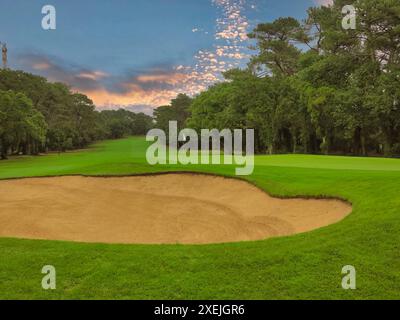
22 128
178 110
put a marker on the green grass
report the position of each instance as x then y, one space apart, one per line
306 266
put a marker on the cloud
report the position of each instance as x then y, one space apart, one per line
229 51
106 99
324 2
41 66
92 75
157 85
167 78
59 71
154 87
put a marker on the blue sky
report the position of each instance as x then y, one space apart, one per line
136 54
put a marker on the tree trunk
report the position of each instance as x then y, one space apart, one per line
35 149
3 151
294 144
357 141
271 149
388 142
325 145
363 145
387 149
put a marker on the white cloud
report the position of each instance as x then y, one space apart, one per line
324 2
228 52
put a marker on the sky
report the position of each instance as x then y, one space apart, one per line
137 54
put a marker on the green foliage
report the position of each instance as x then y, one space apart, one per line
275 41
115 124
177 111
38 116
21 126
325 89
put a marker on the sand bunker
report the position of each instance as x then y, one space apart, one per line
173 208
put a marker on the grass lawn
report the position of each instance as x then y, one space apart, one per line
306 266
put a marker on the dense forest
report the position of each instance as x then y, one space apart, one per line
313 87
39 116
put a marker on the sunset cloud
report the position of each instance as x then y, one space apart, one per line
155 86
41 66
168 78
158 88
135 96
92 75
58 71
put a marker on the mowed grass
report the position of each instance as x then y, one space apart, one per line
306 266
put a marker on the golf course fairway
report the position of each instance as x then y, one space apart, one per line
303 266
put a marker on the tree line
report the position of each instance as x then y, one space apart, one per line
311 86
39 116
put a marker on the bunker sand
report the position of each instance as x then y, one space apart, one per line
162 209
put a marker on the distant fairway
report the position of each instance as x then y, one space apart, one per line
330 162
305 266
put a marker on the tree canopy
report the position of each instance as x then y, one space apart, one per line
39 116
314 87
178 110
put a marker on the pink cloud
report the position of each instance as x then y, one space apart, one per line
155 88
